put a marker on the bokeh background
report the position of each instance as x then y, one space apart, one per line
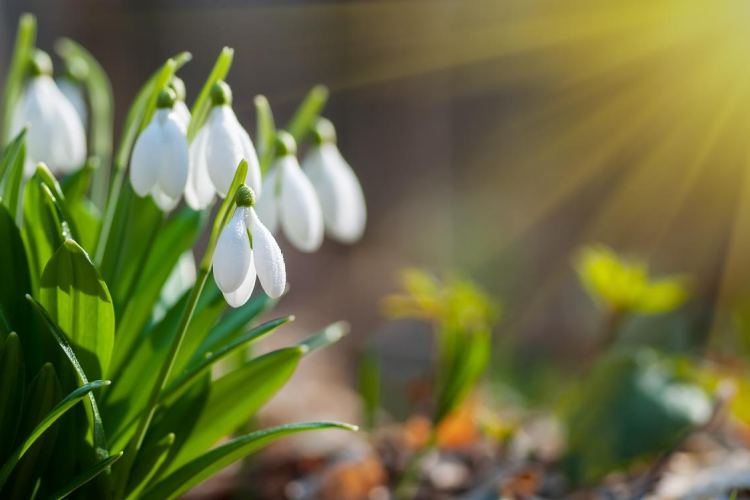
491 137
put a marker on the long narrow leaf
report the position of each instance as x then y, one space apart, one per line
307 113
19 63
85 477
204 466
13 376
11 173
58 411
194 371
203 103
100 440
266 132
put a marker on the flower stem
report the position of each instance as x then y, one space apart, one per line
410 478
225 212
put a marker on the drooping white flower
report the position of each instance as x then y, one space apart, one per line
289 199
70 84
55 133
180 108
247 249
339 191
217 150
160 161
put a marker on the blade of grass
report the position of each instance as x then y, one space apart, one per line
19 63
59 410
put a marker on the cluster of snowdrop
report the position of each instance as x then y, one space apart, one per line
323 195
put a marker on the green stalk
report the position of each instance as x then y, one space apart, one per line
19 63
222 218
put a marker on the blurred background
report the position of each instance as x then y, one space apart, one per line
492 138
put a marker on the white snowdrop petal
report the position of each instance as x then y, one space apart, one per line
243 293
183 114
199 191
300 213
224 147
253 165
145 162
339 192
233 256
74 94
175 157
35 110
269 260
165 202
267 205
69 138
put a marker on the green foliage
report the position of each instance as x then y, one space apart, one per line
23 48
67 319
625 286
629 408
463 317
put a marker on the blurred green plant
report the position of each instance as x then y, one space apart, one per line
69 323
462 316
632 404
624 286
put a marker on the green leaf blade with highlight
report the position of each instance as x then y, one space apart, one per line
24 46
202 104
78 301
213 461
84 477
307 112
59 410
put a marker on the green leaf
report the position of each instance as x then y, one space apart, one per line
99 438
11 173
235 398
369 387
470 360
13 376
202 104
77 300
19 64
60 409
42 395
208 464
205 364
231 325
266 132
148 465
42 227
125 400
307 113
99 90
631 407
327 336
58 198
85 477
14 269
175 237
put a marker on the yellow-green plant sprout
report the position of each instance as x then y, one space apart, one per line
463 316
625 286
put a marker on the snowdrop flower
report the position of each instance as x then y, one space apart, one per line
183 113
70 84
289 199
56 136
217 150
246 248
159 163
339 191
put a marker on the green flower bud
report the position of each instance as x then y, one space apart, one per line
221 93
41 64
245 197
285 144
323 131
166 99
